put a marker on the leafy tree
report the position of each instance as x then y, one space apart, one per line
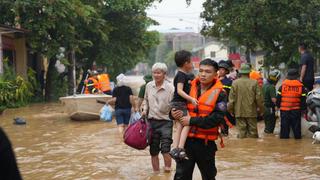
112 33
276 27
129 41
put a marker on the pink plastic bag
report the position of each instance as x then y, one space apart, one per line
138 134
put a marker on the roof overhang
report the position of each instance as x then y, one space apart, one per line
4 29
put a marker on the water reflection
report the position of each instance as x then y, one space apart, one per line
50 146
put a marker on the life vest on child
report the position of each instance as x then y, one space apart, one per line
291 93
206 104
91 82
104 82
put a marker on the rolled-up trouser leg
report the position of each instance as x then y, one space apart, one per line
242 127
166 137
252 127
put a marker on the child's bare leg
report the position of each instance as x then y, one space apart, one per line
183 136
176 137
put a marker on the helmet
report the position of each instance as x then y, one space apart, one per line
147 78
293 73
224 64
274 75
245 69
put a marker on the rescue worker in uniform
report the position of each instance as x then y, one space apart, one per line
256 75
245 103
147 78
104 83
291 99
224 69
269 94
92 84
204 120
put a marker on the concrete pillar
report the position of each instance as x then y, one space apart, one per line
21 57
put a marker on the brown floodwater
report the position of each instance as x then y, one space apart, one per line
50 146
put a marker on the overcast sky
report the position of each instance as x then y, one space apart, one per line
176 14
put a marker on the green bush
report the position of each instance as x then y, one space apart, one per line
14 90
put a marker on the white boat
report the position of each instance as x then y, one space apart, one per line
83 107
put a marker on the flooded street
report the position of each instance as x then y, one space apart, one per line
50 146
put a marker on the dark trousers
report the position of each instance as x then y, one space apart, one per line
231 119
269 119
308 83
161 138
290 119
199 153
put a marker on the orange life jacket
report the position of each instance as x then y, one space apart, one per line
256 75
104 82
95 84
206 105
291 93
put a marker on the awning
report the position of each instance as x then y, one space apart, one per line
4 29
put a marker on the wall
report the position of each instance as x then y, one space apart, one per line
221 52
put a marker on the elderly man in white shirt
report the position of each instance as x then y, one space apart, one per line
158 96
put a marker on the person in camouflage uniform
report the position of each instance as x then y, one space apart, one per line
269 94
244 99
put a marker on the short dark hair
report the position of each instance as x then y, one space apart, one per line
181 57
210 62
303 45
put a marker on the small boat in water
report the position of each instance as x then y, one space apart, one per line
84 107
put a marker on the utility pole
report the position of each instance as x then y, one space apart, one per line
1 55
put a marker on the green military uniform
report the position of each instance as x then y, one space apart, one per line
269 92
142 91
244 99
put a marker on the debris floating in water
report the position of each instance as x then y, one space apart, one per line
19 121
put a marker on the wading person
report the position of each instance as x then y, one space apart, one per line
123 98
224 69
291 99
203 120
245 99
270 99
158 96
147 78
306 63
180 98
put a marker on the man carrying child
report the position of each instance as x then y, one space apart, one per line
204 120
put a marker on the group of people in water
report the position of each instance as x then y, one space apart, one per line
205 106
202 108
